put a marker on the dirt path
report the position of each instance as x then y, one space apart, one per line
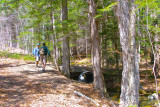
24 85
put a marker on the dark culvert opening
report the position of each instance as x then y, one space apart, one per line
86 77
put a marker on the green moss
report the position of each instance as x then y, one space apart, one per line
14 56
132 106
28 57
142 91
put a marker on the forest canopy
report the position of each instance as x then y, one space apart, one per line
110 33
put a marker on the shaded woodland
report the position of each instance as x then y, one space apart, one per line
108 34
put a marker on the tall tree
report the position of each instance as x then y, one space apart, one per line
99 83
53 38
13 32
130 75
156 54
66 50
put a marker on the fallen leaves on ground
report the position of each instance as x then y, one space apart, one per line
24 85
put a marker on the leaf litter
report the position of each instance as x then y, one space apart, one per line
22 84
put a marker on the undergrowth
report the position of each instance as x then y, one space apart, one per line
16 55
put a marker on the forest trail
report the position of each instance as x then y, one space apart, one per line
24 85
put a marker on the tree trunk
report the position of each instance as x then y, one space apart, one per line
13 33
140 35
130 75
66 50
99 83
156 46
156 55
74 49
54 42
86 37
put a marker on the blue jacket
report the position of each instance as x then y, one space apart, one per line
36 52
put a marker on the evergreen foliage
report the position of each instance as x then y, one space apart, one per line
24 23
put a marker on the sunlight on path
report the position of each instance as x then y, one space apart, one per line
24 85
59 100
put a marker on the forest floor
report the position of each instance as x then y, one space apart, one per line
24 85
